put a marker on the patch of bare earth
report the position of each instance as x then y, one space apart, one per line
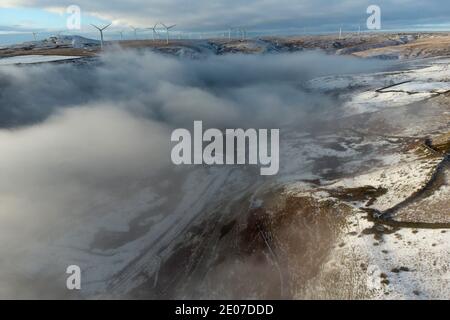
268 252
432 46
5 53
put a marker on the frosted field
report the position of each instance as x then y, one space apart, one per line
191 232
33 59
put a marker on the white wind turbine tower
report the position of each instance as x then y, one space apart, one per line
121 34
35 36
135 32
167 31
241 32
101 32
154 31
244 30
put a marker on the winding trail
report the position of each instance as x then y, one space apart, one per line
437 180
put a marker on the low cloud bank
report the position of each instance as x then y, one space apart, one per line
71 135
226 90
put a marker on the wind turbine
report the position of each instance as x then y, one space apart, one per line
121 35
154 31
242 32
135 32
35 36
101 32
340 33
233 30
167 31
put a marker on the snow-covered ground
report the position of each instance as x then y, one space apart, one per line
408 259
61 41
401 178
382 261
30 59
405 264
372 92
121 243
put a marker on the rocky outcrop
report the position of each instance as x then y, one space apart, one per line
441 143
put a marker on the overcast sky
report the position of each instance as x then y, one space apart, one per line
209 15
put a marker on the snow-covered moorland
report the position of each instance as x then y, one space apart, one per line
88 179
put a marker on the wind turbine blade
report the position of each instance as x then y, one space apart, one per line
95 27
106 26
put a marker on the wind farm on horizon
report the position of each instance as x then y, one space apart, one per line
91 38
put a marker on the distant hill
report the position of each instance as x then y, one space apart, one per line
63 41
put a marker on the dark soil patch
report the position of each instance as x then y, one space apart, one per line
367 193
